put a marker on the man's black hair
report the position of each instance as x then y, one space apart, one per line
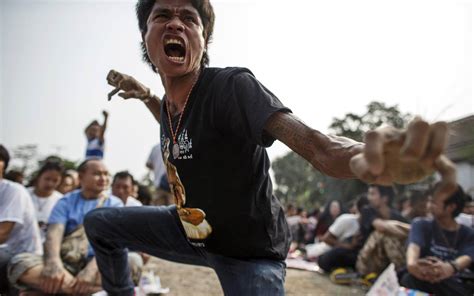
385 191
4 156
458 198
206 13
50 164
123 175
82 168
361 202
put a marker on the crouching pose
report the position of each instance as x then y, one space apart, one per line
215 124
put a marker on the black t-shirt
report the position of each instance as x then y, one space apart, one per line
223 164
444 244
369 214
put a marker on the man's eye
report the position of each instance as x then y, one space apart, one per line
160 15
189 18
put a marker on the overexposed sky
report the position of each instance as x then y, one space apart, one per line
323 59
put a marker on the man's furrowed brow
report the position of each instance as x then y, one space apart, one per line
158 9
168 10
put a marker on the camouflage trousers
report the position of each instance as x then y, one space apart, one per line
379 251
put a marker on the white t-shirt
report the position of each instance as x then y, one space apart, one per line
133 202
16 206
43 207
345 226
465 219
156 160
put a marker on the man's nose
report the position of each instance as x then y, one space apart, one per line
175 25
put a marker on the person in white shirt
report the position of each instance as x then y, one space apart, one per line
122 187
43 193
467 216
19 230
155 162
341 239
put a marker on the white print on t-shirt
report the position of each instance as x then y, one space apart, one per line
442 251
185 145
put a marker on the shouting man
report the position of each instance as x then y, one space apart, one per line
215 125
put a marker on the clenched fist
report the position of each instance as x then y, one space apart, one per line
405 156
129 86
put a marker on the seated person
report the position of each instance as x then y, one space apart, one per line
19 230
339 246
384 232
467 215
68 265
43 193
122 187
69 182
439 248
418 204
332 210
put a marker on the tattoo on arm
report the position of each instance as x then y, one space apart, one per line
328 154
52 245
154 105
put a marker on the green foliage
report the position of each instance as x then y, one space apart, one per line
355 126
26 154
299 183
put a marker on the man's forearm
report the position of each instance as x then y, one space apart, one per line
392 227
413 254
328 154
52 245
463 262
154 105
5 230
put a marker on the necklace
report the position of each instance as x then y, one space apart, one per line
445 239
174 134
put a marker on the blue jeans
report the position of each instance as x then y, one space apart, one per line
158 231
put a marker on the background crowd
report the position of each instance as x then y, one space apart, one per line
428 236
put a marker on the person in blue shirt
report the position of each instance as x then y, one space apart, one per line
55 271
95 134
440 248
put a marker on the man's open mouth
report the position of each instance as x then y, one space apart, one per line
175 50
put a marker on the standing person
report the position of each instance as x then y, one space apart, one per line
95 134
439 248
122 187
155 163
215 125
43 193
19 230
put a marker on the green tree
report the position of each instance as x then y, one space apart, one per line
298 182
355 126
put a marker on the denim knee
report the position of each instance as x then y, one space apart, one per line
93 222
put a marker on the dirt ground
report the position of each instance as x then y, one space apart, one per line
194 280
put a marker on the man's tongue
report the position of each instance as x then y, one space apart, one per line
174 53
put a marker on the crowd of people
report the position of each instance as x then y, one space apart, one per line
43 245
429 238
430 241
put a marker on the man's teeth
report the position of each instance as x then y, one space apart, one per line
176 59
173 41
